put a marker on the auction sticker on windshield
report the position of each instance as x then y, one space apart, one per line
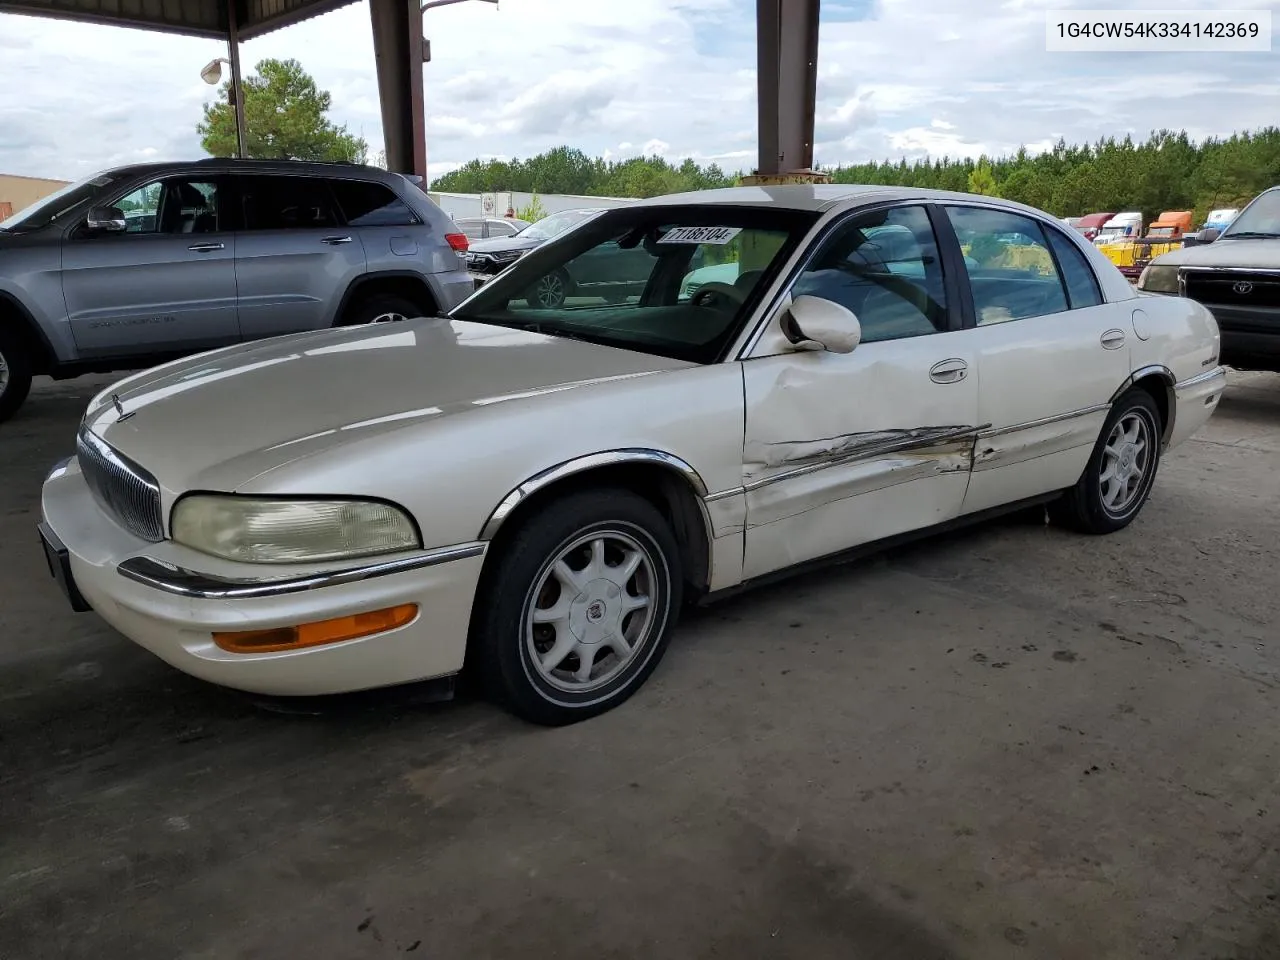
716 235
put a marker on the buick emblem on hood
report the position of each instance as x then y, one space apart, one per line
1242 287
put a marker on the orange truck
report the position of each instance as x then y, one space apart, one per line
1165 234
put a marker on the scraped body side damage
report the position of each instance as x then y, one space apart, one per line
808 474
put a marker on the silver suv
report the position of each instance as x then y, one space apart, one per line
146 263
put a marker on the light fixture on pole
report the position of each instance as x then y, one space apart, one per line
212 73
426 58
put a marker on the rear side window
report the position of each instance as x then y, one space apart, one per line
1082 284
286 203
1011 271
366 204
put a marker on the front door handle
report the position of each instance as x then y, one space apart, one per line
1113 339
949 371
334 241
206 247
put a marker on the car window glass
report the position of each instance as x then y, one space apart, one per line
366 204
1011 271
285 203
499 229
1260 216
472 229
622 279
171 206
884 267
1082 283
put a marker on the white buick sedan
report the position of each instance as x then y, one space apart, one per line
535 491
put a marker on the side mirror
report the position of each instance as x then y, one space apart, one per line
813 323
1209 234
106 220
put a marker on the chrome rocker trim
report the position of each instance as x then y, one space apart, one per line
203 586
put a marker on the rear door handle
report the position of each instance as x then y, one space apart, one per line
206 247
334 241
1113 339
949 371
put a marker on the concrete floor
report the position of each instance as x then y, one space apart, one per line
1010 742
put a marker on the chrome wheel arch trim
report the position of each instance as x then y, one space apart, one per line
605 458
1166 375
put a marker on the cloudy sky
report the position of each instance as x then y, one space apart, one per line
622 77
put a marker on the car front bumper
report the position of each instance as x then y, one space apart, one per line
170 600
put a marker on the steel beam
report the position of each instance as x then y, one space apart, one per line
786 84
397 52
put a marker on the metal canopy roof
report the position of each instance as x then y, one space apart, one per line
195 18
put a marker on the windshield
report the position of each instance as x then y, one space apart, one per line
1260 218
50 208
674 281
553 226
1161 232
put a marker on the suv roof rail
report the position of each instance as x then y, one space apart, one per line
334 163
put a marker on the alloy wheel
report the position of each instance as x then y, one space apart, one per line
1126 461
592 611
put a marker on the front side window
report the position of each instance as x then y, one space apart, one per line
620 279
171 206
1010 280
285 203
366 204
498 228
884 267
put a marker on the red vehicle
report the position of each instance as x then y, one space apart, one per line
1090 224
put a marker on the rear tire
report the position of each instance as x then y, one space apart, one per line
1121 471
382 308
577 608
15 372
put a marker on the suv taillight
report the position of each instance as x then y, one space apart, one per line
458 241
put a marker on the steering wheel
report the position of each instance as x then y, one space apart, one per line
709 291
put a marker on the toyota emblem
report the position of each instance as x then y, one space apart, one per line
1242 287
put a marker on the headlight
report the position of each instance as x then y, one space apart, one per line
1159 278
290 531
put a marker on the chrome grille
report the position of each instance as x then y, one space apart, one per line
123 489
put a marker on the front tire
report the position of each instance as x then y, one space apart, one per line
578 607
15 373
1118 479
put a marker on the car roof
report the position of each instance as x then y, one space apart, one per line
820 197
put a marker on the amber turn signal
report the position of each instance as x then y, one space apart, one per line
318 633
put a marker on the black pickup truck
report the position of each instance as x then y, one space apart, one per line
1236 274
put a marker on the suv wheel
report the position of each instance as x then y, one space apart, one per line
381 308
15 373
578 606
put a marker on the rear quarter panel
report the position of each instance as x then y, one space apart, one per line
1181 335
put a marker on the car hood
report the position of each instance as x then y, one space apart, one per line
505 244
217 420
1260 253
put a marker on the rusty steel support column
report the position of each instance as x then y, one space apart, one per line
786 86
397 51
